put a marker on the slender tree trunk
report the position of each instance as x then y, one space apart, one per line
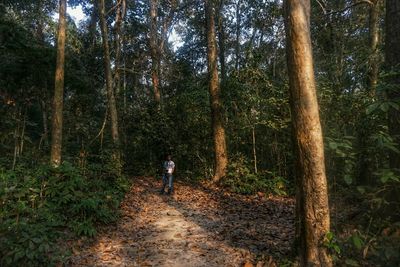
238 25
221 40
365 165
221 155
57 118
253 135
312 197
372 76
392 64
154 51
120 14
166 24
109 80
92 26
43 105
23 133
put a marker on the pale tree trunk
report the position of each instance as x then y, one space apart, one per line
221 155
392 63
109 80
155 68
57 117
372 76
312 195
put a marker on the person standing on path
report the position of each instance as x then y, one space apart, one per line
168 170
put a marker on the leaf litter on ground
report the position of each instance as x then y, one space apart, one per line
200 225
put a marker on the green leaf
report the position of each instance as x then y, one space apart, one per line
333 145
348 179
329 236
36 240
361 189
336 248
358 243
372 108
384 178
384 107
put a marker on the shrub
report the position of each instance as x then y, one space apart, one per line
241 179
38 206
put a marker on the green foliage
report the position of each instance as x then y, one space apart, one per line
38 205
342 149
330 241
241 179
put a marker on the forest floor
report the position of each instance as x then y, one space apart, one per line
200 225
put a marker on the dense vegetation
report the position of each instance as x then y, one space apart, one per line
158 63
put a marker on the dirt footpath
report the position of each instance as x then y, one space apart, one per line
197 226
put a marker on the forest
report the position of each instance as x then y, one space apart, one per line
274 125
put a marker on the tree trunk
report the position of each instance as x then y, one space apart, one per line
238 25
221 156
253 135
109 80
57 118
221 40
92 26
364 132
120 14
312 194
372 76
392 63
154 51
166 24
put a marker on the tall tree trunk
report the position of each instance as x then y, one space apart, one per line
312 194
372 76
364 132
221 155
57 118
120 14
221 40
253 135
238 25
166 24
109 80
92 26
154 51
392 63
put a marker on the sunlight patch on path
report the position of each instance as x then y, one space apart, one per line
194 228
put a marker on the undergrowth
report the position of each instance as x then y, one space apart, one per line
241 179
39 207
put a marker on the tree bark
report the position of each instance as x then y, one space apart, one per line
109 80
57 118
313 221
221 40
253 135
221 155
392 64
119 17
238 25
155 68
372 76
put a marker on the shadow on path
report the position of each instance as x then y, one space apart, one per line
198 226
